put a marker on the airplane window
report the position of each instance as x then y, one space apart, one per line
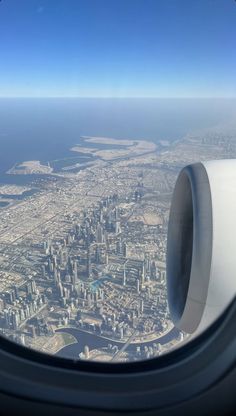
102 103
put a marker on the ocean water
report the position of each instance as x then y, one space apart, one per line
45 129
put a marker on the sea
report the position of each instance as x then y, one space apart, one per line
46 129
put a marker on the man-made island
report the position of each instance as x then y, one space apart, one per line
30 167
128 148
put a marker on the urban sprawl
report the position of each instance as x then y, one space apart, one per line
85 249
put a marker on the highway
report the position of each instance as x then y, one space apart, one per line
119 353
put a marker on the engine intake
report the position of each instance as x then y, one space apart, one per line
201 249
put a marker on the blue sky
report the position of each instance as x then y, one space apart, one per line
118 48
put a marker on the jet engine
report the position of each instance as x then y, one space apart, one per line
201 248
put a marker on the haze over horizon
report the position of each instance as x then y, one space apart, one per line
122 49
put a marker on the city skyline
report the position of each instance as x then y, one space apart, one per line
83 246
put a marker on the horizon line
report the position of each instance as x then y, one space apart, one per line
115 97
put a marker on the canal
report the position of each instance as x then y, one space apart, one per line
95 342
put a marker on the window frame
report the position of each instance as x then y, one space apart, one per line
170 379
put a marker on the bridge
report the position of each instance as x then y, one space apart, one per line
128 342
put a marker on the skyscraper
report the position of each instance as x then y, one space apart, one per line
99 234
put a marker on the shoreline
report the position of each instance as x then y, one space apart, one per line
153 340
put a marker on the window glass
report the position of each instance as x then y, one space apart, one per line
102 102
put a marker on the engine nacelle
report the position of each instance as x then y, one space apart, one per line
201 249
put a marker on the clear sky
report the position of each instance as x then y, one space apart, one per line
118 48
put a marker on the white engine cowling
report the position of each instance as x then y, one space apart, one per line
201 249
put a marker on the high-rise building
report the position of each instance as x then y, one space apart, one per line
153 270
138 286
124 249
74 277
117 227
29 288
143 274
99 234
119 247
2 304
88 263
55 277
86 352
16 290
98 255
124 276
33 286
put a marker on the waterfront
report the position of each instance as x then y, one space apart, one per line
54 125
85 247
97 342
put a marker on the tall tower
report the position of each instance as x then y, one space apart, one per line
124 275
118 229
124 249
74 273
147 264
118 247
153 270
143 274
141 306
33 286
138 286
88 262
99 234
86 352
55 277
98 255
